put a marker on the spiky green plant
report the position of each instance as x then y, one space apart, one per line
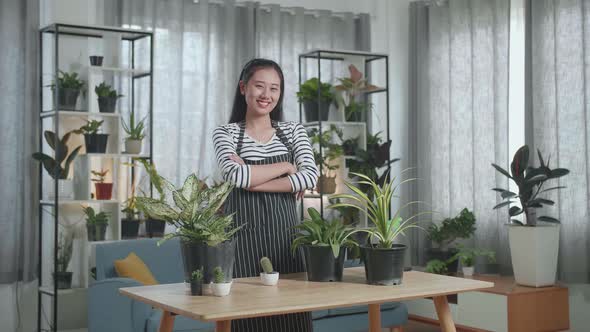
100 175
68 81
218 275
319 232
194 210
377 209
64 250
266 265
93 218
91 127
105 90
308 91
135 131
530 181
58 167
197 275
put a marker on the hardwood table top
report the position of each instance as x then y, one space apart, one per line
249 298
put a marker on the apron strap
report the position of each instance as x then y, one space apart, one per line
242 126
282 137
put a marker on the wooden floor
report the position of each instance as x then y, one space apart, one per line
413 326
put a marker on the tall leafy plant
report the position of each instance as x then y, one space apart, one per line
58 167
530 181
461 226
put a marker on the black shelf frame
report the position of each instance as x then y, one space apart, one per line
83 31
340 55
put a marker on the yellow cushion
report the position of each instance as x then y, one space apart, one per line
133 267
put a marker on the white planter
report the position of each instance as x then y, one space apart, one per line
534 254
133 146
65 189
269 279
221 289
467 271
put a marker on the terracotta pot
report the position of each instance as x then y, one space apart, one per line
104 191
326 185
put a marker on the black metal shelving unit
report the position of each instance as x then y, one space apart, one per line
60 32
334 57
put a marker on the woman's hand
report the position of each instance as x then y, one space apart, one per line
237 159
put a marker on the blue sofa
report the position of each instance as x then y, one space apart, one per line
110 311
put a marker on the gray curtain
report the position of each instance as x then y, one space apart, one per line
459 110
19 23
199 51
560 87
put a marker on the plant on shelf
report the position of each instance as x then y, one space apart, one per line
353 86
96 224
531 267
154 227
68 89
135 134
195 213
268 276
316 98
196 282
95 142
323 243
58 167
130 223
327 158
220 286
107 98
384 261
65 242
467 258
104 190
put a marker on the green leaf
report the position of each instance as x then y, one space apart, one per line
503 204
501 170
540 158
508 194
548 219
514 211
558 172
516 221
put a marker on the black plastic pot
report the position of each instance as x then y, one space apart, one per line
321 265
315 110
349 147
96 232
196 288
96 143
155 227
197 255
67 98
129 228
107 104
444 255
63 279
96 60
384 266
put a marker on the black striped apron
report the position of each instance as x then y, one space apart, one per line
268 220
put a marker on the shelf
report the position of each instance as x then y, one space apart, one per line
76 201
125 71
376 91
80 114
50 291
336 123
114 155
96 31
341 54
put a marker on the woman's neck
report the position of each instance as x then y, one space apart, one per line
255 122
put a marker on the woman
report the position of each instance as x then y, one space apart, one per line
270 162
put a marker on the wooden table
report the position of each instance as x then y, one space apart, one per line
249 298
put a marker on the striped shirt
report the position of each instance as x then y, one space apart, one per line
225 140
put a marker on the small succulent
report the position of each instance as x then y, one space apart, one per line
105 90
100 175
266 265
68 81
91 127
93 218
218 275
197 275
135 131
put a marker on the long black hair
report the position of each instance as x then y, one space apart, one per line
238 112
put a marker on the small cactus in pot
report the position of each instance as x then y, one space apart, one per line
220 286
197 282
269 276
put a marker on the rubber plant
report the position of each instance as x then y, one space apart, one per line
58 167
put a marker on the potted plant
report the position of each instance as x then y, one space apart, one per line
326 159
444 235
107 98
206 234
353 87
384 260
130 224
96 224
135 134
268 276
324 246
378 149
96 60
437 266
197 282
95 142
467 258
58 167
68 89
104 190
220 286
63 278
533 246
154 227
316 98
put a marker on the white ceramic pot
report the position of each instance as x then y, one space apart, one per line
269 279
65 189
467 271
221 289
133 146
534 254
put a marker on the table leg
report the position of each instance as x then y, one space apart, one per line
374 317
166 322
223 326
444 314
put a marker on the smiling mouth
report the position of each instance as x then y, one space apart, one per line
263 103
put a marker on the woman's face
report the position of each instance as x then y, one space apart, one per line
262 91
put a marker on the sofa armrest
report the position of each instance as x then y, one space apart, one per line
108 310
